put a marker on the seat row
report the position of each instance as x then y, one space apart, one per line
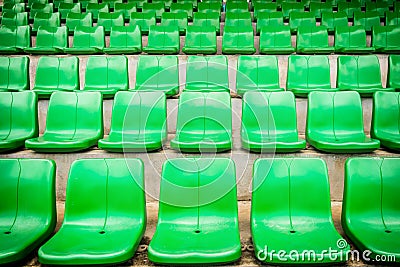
105 211
204 123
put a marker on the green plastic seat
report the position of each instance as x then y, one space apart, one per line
40 8
393 75
276 40
56 3
200 40
31 2
236 6
307 74
183 8
154 8
301 19
111 3
331 20
163 40
96 8
143 20
385 117
65 8
386 39
335 123
351 40
19 122
380 6
193 2
46 19
370 211
158 73
79 129
207 73
257 73
28 206
349 7
238 19
202 226
269 123
78 19
126 9
367 19
207 7
206 20
179 20
264 7
124 40
392 18
14 40
14 73
11 19
87 41
268 19
204 123
238 40
316 8
50 40
139 3
291 212
289 7
84 3
109 20
56 74
361 74
138 122
313 40
106 75
13 7
105 214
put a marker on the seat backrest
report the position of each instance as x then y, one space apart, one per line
12 19
316 8
238 19
269 19
163 36
238 37
126 8
264 7
96 8
333 19
52 37
367 19
349 7
201 36
381 7
157 8
125 36
207 73
385 114
40 8
312 37
111 3
207 7
289 7
65 8
174 19
139 3
13 7
46 19
108 20
15 36
392 18
350 36
89 37
386 37
144 20
14 73
276 36
233 6
206 19
77 19
298 19
308 72
393 78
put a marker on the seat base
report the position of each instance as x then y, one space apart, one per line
315 50
46 93
241 92
275 146
238 51
83 51
199 147
154 50
129 147
122 50
44 51
303 92
277 50
193 50
59 146
355 50
346 147
367 92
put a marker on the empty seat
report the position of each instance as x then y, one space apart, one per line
105 214
331 20
56 74
200 40
269 122
351 40
207 73
238 40
392 18
28 206
19 121
208 7
65 8
163 40
236 19
80 127
313 40
111 3
264 7
109 20
360 73
367 19
84 3
31 2
276 40
236 6
143 20
124 40
291 212
183 8
138 122
301 19
393 75
96 8
11 19
257 73
77 19
193 2
46 19
269 19
14 73
288 7
13 7
370 212
139 3
379 6
204 122
40 8
14 40
167 3
386 39
107 75
175 19
349 7
335 123
50 40
87 40
154 8
206 235
316 8
207 20
126 9
158 73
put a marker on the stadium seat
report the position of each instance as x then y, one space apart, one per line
124 40
236 19
14 73
56 74
31 2
392 18
163 40
360 73
393 77
13 7
11 19
65 8
200 40
154 8
46 19
313 40
175 19
380 6
109 20
28 206
207 73
77 19
236 6
111 3
126 9
207 20
370 212
204 123
288 7
299 19
143 20
105 214
238 40
183 8
40 8
349 7
96 8
307 74
269 123
193 2
84 3
291 212
269 19
386 39
138 122
106 75
139 3
335 123
158 73
316 8
19 121
206 236
81 125
264 7
276 40
351 40
331 20
257 73
14 40
50 40
87 41
385 118
367 19
208 7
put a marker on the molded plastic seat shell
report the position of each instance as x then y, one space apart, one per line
175 19
349 7
163 40
109 20
393 77
313 40
87 41
386 39
183 8
301 19
65 8
368 19
50 40
144 20
238 40
269 19
351 40
333 19
154 8
11 19
46 19
77 19
14 73
207 20
124 40
126 9
14 40
276 40
200 40
96 8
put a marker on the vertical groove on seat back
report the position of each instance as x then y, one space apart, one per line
10 175
6 106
